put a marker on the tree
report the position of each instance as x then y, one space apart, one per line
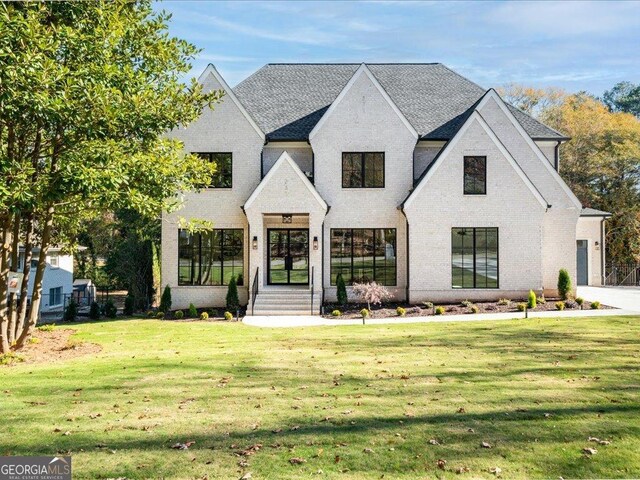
232 295
623 97
564 284
165 300
87 91
534 101
341 290
371 292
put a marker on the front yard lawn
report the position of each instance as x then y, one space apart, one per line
351 402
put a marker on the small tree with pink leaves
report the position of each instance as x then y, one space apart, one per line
371 292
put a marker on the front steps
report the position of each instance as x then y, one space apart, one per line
285 301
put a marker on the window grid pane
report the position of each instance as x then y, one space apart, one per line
210 257
362 169
475 175
474 257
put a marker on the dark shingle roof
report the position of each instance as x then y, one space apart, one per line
287 100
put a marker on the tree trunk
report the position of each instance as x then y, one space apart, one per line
13 297
36 295
5 224
26 271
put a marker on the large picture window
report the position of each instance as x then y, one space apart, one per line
364 255
475 175
223 178
474 257
211 257
363 170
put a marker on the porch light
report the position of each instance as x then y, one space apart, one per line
254 243
315 243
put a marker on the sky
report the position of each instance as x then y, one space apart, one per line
573 45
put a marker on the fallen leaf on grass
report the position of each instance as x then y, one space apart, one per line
441 463
462 469
462 410
433 441
250 450
368 450
495 470
598 441
485 445
589 451
297 461
182 446
246 476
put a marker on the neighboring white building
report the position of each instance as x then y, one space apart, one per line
406 174
57 283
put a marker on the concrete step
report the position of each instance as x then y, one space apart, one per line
281 312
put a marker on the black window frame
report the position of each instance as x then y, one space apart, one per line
476 183
363 169
348 281
475 256
210 156
196 279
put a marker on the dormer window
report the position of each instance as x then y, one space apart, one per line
223 178
363 170
475 175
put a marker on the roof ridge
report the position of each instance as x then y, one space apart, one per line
354 63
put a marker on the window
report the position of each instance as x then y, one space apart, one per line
475 175
224 169
55 296
53 261
210 257
364 255
363 170
474 257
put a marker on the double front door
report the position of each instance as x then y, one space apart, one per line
288 256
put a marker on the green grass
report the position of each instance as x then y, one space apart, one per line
535 390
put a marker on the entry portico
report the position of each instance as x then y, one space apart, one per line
285 215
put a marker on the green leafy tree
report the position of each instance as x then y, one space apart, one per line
564 284
129 305
87 90
341 290
623 97
232 295
110 309
94 311
165 300
71 312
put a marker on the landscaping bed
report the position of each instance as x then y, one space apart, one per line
390 309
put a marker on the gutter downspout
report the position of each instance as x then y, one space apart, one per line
602 251
557 157
248 277
407 289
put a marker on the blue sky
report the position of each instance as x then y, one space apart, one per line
574 45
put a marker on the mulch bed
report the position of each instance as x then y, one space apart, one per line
389 309
53 346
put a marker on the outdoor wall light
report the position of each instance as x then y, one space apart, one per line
597 244
254 243
315 243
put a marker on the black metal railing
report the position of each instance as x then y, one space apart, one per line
254 289
622 275
312 290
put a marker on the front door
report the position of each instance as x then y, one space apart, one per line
288 261
582 260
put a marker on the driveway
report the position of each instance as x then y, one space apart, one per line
621 297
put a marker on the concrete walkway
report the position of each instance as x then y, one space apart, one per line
315 321
620 297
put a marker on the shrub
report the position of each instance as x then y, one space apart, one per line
474 309
9 358
204 316
110 309
364 312
595 305
439 310
466 303
564 284
570 304
401 311
165 300
371 292
129 305
559 305
542 300
151 314
46 328
532 301
160 315
428 304
336 313
521 307
193 312
233 303
71 312
580 301
94 311
34 340
228 316
178 314
504 301
341 290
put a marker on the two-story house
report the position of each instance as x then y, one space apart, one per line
409 175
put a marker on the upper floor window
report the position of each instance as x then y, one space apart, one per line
224 163
363 170
54 261
475 175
